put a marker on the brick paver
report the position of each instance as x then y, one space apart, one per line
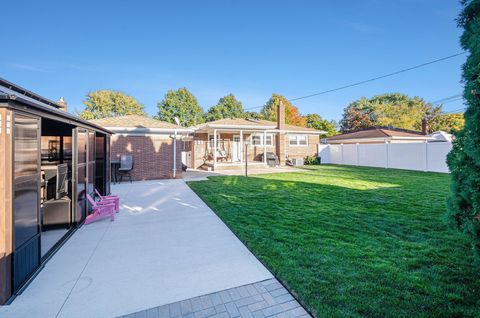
262 299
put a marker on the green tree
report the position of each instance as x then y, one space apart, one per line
317 122
181 104
108 103
464 159
451 123
397 110
227 107
253 115
292 115
357 115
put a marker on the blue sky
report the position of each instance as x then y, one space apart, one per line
249 48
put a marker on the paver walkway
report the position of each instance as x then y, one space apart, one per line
263 299
166 245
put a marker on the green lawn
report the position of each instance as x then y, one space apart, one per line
353 241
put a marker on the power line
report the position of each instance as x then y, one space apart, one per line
453 100
455 111
371 79
447 99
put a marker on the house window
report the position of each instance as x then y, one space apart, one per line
298 140
257 140
269 140
211 141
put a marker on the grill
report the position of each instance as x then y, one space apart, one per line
272 159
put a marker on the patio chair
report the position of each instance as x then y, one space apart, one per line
100 210
126 167
221 155
109 198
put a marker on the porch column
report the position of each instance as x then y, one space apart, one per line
241 146
265 147
214 148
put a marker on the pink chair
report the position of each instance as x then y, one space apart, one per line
110 198
100 210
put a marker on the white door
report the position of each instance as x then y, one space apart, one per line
237 148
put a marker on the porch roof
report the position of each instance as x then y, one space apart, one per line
237 124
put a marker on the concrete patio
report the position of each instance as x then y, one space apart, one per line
164 247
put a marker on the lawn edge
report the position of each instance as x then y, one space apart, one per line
310 311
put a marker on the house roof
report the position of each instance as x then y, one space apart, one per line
134 121
379 132
237 123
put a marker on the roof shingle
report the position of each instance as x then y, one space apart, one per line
137 121
241 122
377 132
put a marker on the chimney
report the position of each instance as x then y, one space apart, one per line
424 126
281 116
62 103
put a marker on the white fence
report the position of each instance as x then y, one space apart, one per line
429 156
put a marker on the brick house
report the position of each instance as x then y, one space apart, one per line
222 144
156 146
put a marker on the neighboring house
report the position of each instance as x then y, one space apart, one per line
374 135
222 144
156 146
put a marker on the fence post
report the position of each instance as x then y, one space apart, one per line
426 156
386 154
341 149
358 155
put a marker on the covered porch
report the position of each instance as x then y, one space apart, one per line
230 148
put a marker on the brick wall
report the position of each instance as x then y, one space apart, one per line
303 151
152 155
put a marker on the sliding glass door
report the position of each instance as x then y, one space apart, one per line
26 199
79 174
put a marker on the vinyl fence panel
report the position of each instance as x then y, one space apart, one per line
372 155
437 156
418 156
350 154
408 156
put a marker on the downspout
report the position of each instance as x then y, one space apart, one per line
175 154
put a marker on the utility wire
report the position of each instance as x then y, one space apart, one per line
371 79
447 99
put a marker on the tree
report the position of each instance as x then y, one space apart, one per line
227 107
252 115
397 110
359 114
451 123
109 103
181 104
292 115
464 159
317 122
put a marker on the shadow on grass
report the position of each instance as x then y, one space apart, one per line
353 244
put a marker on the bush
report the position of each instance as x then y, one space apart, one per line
310 160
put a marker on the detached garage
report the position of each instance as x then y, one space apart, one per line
156 146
